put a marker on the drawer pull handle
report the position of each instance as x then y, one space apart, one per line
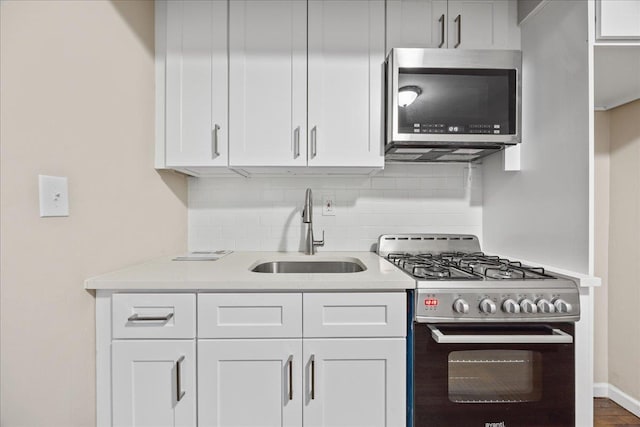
459 21
314 142
137 318
291 377
441 21
180 393
214 142
296 142
313 377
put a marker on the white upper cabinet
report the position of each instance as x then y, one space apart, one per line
275 61
416 23
618 20
480 24
196 120
454 24
346 52
267 81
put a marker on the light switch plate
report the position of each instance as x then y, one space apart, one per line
54 195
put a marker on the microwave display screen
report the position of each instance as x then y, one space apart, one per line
457 101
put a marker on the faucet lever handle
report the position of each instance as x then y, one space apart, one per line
319 242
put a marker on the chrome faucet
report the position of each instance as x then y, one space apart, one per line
307 218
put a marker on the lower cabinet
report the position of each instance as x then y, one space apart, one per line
154 383
355 382
270 383
262 359
249 383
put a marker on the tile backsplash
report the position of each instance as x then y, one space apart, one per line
264 213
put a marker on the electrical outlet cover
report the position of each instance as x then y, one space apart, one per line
328 204
54 195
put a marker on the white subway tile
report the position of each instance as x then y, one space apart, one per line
264 213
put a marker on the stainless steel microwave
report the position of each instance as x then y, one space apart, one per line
446 105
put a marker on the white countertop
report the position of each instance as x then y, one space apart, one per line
583 280
233 273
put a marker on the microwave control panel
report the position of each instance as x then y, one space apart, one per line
492 129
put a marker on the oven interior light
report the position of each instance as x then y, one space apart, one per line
408 94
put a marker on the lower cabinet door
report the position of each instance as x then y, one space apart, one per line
355 382
154 383
250 383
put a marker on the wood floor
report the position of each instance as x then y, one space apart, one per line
610 414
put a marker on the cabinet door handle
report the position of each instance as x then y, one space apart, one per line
137 318
313 377
314 142
291 377
459 21
214 142
179 392
296 142
441 21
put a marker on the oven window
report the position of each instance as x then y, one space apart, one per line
495 376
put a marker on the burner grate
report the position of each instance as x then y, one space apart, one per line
456 265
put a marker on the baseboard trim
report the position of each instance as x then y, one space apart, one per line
600 390
620 397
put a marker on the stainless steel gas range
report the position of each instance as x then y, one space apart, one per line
491 341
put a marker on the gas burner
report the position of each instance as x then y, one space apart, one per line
456 281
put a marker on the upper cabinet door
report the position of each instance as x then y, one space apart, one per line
482 24
346 53
196 84
267 81
618 19
416 23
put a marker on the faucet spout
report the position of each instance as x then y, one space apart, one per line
307 218
307 211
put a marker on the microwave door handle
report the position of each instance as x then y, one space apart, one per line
557 337
441 21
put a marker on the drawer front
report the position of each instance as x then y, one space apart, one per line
154 316
336 315
250 315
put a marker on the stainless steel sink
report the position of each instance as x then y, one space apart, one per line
309 267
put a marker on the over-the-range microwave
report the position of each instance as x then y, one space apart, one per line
450 105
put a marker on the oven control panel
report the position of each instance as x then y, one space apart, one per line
517 305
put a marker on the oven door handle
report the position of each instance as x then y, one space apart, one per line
557 337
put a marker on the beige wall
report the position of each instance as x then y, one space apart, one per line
624 249
601 231
78 101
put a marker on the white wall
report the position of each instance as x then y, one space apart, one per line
624 250
541 213
77 100
264 213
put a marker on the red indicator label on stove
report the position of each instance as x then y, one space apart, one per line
430 302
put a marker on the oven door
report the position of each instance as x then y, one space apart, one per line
498 375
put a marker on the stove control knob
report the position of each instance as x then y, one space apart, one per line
460 306
545 306
510 306
487 306
561 306
528 306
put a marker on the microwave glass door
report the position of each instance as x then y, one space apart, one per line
457 101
